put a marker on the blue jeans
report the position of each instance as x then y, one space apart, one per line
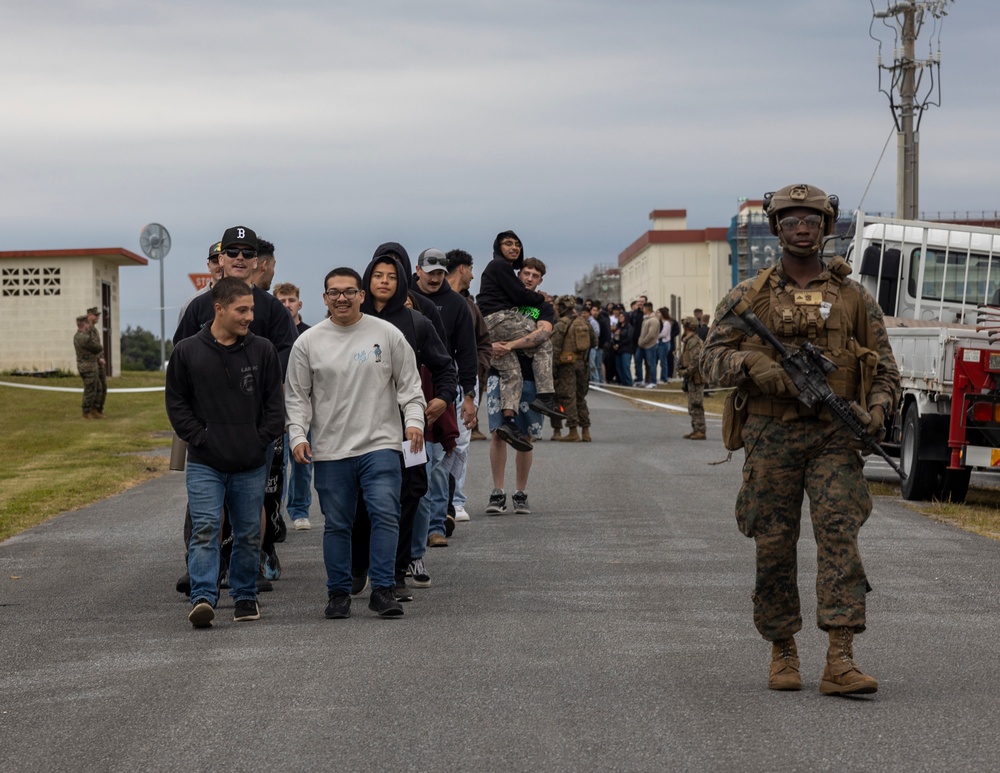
596 370
434 505
650 356
243 495
379 476
663 357
623 365
464 439
299 485
639 360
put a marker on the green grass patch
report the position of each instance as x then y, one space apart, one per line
58 461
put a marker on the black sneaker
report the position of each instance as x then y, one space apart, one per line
547 405
402 591
449 525
358 584
338 606
511 435
202 614
383 601
521 503
246 610
263 584
498 503
184 584
419 574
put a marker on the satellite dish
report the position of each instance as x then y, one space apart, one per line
155 241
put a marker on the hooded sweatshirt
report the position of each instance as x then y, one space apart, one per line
460 332
225 401
398 252
416 329
499 287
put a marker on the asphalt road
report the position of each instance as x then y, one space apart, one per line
608 631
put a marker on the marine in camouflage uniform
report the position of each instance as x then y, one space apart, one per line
792 450
572 380
88 355
689 367
94 316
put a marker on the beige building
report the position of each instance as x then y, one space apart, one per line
42 292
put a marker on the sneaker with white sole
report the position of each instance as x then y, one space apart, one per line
202 614
461 514
419 574
301 524
246 610
521 503
498 502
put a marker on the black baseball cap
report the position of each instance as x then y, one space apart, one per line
239 234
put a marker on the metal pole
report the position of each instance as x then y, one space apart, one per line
163 323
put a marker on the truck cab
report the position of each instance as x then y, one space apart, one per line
936 283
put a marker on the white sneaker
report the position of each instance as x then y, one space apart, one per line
302 524
650 386
461 514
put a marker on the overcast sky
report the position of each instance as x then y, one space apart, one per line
330 127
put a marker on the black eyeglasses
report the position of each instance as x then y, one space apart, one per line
350 293
811 221
234 252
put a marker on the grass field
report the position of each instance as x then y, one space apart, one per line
57 461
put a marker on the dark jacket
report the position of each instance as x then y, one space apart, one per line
499 287
460 333
225 401
271 320
484 347
625 343
604 323
416 329
398 252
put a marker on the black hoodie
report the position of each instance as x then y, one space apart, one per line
460 336
225 401
499 287
416 328
427 308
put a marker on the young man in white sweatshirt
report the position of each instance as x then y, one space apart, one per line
348 379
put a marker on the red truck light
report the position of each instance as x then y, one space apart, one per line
984 412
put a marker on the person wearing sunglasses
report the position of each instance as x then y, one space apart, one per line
793 449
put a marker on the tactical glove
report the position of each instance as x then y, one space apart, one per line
874 420
770 378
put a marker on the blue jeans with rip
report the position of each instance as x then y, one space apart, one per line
378 475
242 493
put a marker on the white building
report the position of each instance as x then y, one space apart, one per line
42 292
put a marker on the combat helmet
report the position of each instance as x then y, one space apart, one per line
801 195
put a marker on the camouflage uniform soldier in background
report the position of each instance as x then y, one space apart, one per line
572 339
689 368
88 363
791 449
94 317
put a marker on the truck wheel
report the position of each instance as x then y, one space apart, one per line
921 475
955 485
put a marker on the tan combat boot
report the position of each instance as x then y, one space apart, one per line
784 666
696 436
97 415
842 675
556 434
86 415
572 436
586 435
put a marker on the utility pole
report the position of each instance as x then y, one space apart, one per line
906 98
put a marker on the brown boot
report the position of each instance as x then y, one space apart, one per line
586 435
557 434
97 415
572 437
86 415
784 666
696 436
842 675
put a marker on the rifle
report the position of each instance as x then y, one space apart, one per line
807 367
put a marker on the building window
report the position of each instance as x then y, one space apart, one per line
17 282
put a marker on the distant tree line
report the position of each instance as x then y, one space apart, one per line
141 349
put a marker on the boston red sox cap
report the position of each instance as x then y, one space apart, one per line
239 234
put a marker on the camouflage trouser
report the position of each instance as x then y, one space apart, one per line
696 406
94 387
509 325
783 462
572 385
